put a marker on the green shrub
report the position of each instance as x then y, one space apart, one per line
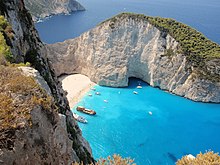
5 27
5 53
193 43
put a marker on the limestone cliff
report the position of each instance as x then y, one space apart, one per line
31 129
45 8
49 145
131 45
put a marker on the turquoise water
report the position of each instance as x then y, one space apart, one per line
123 125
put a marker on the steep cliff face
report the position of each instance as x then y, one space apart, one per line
27 47
45 8
33 132
128 46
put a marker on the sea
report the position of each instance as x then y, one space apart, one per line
153 127
202 15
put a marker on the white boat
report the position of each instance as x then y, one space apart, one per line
79 118
150 113
135 92
98 93
139 87
93 89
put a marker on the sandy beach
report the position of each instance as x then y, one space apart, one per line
77 86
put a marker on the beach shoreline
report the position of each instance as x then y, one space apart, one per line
77 85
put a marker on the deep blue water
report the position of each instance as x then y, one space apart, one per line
123 125
204 15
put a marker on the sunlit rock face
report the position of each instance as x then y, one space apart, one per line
118 49
41 9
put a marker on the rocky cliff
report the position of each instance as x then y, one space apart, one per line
45 8
47 132
162 52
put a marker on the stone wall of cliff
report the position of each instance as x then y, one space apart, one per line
126 46
45 8
31 130
27 47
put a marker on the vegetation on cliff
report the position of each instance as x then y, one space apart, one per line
201 53
19 95
114 160
27 48
208 158
193 43
5 29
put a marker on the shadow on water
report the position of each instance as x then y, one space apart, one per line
172 157
134 82
143 143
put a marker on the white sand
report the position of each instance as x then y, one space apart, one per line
77 86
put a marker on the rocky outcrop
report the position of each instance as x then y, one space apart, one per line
28 71
126 46
27 47
41 9
45 141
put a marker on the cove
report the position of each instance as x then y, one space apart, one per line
177 126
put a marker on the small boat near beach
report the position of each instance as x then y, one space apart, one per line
79 118
84 110
93 89
135 92
139 87
98 93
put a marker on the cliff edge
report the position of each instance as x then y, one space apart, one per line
41 9
36 123
161 51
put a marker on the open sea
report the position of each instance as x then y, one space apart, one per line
123 125
204 15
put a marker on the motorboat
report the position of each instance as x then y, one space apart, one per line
98 93
79 118
93 89
84 110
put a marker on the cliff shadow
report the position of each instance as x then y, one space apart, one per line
133 82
